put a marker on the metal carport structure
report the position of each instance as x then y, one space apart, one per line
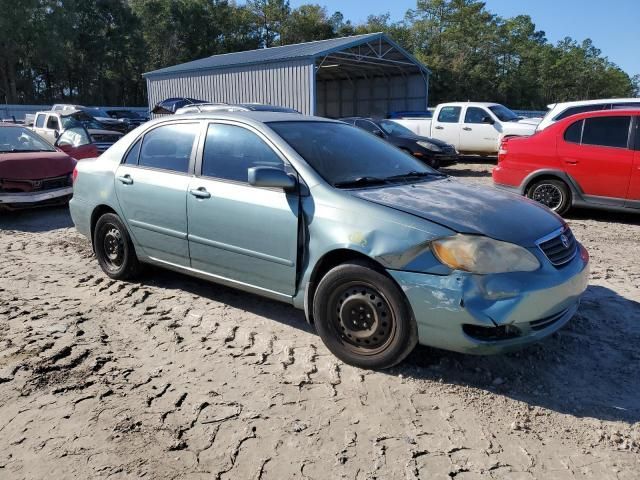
366 75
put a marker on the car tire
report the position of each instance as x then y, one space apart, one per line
552 193
114 249
362 316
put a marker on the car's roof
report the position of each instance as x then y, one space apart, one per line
257 116
599 113
599 101
8 124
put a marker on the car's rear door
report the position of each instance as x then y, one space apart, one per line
445 125
151 185
595 153
633 195
477 134
240 233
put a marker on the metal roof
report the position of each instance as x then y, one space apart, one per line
309 50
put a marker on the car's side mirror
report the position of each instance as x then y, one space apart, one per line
56 133
270 177
488 120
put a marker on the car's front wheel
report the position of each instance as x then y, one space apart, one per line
114 249
363 317
552 193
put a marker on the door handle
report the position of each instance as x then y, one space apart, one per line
200 192
438 127
571 161
126 179
467 129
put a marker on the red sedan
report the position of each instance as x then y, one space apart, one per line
35 173
590 159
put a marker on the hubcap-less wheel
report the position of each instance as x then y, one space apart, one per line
113 245
363 319
549 195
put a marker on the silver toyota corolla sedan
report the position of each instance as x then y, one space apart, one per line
381 251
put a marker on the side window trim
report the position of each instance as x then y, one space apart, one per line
192 157
260 135
579 142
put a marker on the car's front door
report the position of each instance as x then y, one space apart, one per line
238 232
151 185
479 133
446 126
595 153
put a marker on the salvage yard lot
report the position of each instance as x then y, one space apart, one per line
172 377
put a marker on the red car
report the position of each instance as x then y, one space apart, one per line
35 173
590 159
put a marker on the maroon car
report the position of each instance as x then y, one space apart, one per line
32 171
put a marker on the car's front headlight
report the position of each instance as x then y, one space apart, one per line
429 146
477 254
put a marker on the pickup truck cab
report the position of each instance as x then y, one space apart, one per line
51 124
472 127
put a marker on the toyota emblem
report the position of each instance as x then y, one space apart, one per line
565 241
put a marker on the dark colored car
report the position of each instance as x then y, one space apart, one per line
135 119
32 172
431 151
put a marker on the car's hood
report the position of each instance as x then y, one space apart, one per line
35 165
416 138
469 209
530 121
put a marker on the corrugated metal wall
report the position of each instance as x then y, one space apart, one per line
374 97
288 84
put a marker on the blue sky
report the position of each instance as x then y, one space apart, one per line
613 25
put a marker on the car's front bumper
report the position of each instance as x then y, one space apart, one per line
485 314
35 198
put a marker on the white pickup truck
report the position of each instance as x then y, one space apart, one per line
471 127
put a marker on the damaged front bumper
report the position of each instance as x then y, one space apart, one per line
485 314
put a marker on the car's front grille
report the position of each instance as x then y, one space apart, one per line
23 186
560 248
547 321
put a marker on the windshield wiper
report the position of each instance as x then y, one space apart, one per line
360 182
415 174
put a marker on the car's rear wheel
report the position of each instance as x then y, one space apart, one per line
114 249
362 316
552 193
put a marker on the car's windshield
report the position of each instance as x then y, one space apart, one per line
69 122
96 112
19 139
393 128
503 113
124 114
81 119
348 156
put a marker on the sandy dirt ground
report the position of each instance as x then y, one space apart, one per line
172 377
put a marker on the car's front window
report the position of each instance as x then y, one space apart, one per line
503 113
393 128
14 139
348 156
69 122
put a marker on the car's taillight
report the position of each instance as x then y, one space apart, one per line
74 175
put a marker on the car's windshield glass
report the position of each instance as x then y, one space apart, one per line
347 156
69 122
503 113
81 119
97 112
18 139
124 114
393 128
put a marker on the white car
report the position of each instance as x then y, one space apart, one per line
472 127
558 111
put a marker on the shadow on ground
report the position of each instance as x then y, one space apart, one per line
36 220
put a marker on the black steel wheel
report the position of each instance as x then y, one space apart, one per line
363 317
113 248
553 194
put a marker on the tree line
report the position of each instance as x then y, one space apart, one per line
94 51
